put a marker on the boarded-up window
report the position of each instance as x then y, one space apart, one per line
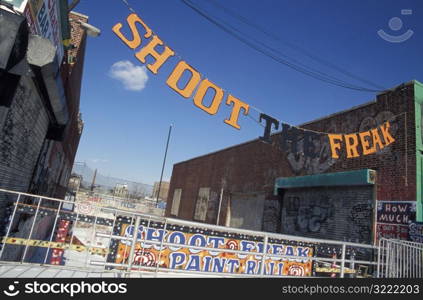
202 204
247 210
175 203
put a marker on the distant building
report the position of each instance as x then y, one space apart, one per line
121 190
74 183
164 190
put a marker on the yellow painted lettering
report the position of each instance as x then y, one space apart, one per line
201 92
376 140
386 135
132 20
334 145
160 58
173 79
236 109
351 143
365 144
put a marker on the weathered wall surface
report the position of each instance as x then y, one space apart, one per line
24 128
341 213
57 157
247 211
253 166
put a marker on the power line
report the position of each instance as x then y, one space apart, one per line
305 70
317 74
293 46
233 31
129 7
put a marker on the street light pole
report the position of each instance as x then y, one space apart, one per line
164 162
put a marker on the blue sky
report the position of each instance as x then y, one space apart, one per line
125 130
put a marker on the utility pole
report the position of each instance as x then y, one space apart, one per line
164 162
93 183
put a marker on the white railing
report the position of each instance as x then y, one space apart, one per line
102 239
400 259
144 206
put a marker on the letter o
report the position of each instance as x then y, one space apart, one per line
201 92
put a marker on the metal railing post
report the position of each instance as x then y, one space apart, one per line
111 233
143 242
414 265
263 259
52 231
93 237
378 259
126 242
32 229
133 244
343 260
74 224
161 248
10 225
398 259
387 260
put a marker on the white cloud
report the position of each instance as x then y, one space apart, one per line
99 160
134 78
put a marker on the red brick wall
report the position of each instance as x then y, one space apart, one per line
254 166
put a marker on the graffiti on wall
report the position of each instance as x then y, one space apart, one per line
206 260
310 218
360 214
416 232
372 122
336 212
305 150
310 152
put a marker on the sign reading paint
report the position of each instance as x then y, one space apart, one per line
241 255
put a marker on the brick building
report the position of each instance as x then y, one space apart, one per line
294 186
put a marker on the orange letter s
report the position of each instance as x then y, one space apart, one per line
132 20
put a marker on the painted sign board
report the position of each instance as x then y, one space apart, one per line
416 232
207 260
43 18
395 212
392 231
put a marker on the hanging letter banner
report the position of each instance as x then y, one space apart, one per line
366 143
186 81
197 86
